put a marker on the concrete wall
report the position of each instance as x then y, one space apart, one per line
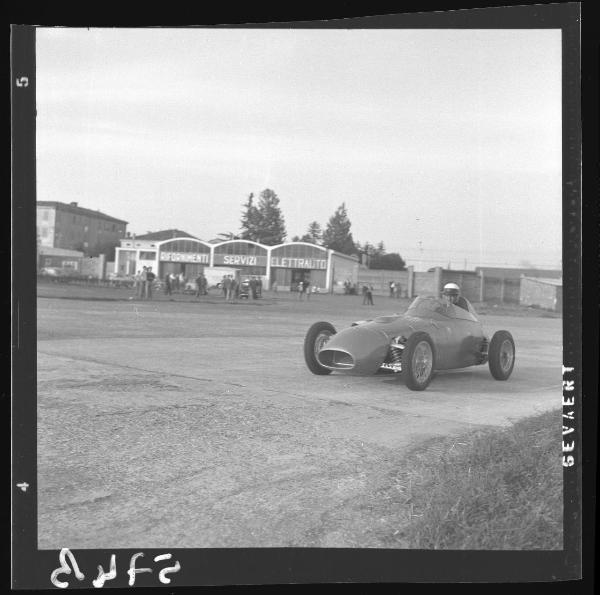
473 286
380 280
342 269
541 295
94 267
425 284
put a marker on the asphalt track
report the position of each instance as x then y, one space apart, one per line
170 424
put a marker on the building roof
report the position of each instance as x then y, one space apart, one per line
167 234
517 272
51 251
76 209
545 281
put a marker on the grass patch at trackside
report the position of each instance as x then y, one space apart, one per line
498 489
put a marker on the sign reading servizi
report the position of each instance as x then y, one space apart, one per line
249 260
184 257
299 263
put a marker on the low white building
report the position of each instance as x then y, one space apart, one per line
173 251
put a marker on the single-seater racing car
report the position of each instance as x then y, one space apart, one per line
433 334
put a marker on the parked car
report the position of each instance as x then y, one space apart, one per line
432 335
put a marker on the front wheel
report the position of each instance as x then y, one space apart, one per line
418 361
501 355
316 337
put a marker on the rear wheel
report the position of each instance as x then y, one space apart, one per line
316 337
501 355
418 361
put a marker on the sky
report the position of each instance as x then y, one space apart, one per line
445 145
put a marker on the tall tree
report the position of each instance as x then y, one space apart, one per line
314 234
337 235
391 261
250 217
270 224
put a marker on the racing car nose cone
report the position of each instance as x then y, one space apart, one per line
355 349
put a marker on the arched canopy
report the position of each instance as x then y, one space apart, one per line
300 255
240 253
184 250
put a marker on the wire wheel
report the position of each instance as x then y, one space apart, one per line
507 355
422 361
418 361
501 358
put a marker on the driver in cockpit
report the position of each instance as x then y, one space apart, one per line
451 292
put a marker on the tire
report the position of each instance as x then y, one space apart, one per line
501 355
318 334
418 361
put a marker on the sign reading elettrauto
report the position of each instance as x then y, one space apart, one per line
299 263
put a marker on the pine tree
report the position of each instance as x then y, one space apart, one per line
337 235
249 225
270 224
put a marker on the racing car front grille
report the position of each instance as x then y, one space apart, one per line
336 359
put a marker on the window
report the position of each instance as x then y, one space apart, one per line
147 255
45 215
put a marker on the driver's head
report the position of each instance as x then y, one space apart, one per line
451 292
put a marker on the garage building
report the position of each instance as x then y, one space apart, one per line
284 265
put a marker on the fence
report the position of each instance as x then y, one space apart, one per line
475 286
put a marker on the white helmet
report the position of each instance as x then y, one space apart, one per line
451 289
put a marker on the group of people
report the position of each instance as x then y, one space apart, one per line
174 282
201 285
304 289
395 289
144 281
232 288
367 291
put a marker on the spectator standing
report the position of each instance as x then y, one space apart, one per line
300 290
199 285
227 286
138 284
181 279
398 289
306 288
259 286
150 276
392 289
167 284
364 292
370 295
144 282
